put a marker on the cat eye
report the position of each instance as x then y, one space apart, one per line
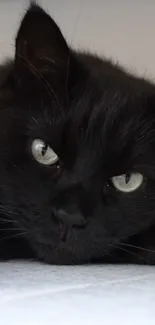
43 153
127 182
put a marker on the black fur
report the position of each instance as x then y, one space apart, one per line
100 121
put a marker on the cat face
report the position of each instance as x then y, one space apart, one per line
77 147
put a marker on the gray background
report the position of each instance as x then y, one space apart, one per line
121 29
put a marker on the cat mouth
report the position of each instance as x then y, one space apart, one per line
71 246
60 238
64 231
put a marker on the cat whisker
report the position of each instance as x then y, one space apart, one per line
9 229
13 236
125 250
3 220
137 247
9 212
34 119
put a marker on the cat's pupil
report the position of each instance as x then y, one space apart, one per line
44 149
127 178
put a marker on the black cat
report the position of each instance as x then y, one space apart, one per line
77 158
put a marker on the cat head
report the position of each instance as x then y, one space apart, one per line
77 138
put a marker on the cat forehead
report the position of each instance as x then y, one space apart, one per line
111 117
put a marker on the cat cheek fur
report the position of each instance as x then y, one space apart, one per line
100 121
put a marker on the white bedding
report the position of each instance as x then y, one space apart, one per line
36 294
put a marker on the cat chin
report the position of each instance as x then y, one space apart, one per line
80 246
59 255
64 255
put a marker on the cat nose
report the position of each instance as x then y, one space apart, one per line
71 219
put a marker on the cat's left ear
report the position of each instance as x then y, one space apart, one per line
42 51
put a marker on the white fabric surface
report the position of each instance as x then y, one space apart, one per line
35 294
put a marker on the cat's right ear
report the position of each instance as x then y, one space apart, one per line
42 52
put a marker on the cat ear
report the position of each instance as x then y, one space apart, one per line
42 50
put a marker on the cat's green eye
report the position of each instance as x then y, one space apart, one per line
127 182
43 153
